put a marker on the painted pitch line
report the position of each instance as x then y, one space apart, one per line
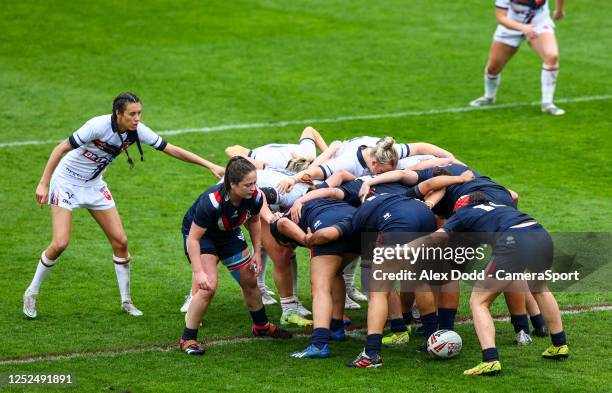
339 119
357 333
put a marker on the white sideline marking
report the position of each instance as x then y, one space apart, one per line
338 119
214 343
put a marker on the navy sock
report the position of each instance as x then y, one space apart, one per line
259 317
490 354
336 324
398 325
537 321
430 323
558 339
373 344
520 322
446 318
190 334
407 316
320 337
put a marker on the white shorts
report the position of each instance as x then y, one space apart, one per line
514 37
70 196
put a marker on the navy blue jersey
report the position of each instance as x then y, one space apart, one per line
493 191
323 213
214 211
393 213
351 190
485 217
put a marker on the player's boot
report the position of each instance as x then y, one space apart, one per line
554 352
293 316
337 335
29 304
191 347
131 309
271 331
267 299
302 310
364 361
346 320
267 290
542 331
522 338
185 305
482 101
312 352
399 338
485 369
551 109
350 304
356 295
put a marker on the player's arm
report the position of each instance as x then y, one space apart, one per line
501 14
428 148
443 181
339 178
296 208
187 156
433 198
327 153
196 233
42 191
559 10
254 226
291 230
329 234
313 134
406 177
304 176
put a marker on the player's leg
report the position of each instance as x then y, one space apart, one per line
540 329
111 224
499 54
61 220
338 296
311 133
426 302
515 300
399 330
351 291
448 301
480 301
545 45
550 310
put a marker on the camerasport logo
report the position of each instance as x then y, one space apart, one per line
106 193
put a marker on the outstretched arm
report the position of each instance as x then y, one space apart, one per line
187 156
254 227
327 153
291 230
313 134
428 148
443 181
296 208
42 191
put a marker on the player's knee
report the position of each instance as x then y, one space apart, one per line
59 245
493 69
551 58
120 243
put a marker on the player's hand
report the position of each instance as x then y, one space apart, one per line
364 191
296 211
203 281
558 14
309 238
467 176
218 171
42 194
530 32
256 263
275 217
285 185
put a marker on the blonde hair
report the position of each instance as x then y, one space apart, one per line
384 153
298 163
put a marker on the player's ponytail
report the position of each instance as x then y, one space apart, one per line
298 163
235 170
119 104
384 153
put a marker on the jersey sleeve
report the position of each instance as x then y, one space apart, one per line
344 226
87 133
424 174
503 4
205 215
455 222
351 192
402 150
345 162
146 135
257 202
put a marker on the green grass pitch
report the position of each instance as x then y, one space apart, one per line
212 63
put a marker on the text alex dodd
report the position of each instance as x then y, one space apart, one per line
429 275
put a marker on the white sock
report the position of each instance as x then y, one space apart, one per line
294 274
491 83
349 275
122 270
288 303
261 279
549 82
44 265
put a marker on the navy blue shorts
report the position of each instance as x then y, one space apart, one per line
411 217
223 245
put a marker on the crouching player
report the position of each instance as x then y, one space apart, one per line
519 243
211 231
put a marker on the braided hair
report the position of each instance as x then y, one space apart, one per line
119 105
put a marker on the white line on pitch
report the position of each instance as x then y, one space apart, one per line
215 343
338 119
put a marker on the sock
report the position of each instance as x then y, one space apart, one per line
558 339
398 325
320 337
349 275
122 270
261 279
446 318
190 334
373 344
491 83
336 324
520 322
407 317
537 321
260 319
430 323
549 82
288 303
490 354
42 269
294 274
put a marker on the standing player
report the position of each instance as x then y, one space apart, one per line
73 179
211 232
519 20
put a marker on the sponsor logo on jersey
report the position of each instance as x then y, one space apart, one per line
317 224
386 216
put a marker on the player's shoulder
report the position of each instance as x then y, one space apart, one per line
99 123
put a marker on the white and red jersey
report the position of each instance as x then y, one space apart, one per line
95 146
525 11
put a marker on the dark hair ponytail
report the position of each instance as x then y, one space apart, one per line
235 170
119 104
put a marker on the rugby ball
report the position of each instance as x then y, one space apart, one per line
444 344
